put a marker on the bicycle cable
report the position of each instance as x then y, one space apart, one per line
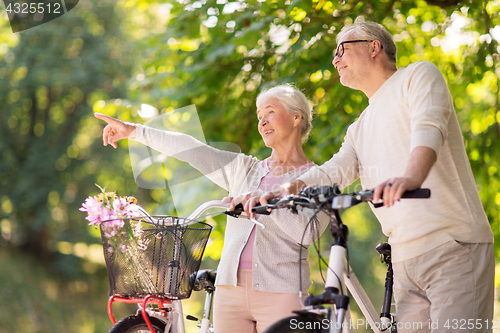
311 222
316 245
317 248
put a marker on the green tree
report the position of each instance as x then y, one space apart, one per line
49 82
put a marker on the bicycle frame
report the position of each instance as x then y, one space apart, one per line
338 267
162 304
340 277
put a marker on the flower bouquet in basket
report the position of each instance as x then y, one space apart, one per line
120 221
144 254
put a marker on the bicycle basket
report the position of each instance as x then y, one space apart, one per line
145 258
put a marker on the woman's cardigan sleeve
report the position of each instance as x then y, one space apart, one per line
218 165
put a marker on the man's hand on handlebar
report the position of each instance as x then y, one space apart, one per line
421 160
391 190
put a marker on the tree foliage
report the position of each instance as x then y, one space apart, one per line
217 55
49 81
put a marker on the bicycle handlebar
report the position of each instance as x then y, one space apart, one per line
197 213
330 197
420 193
205 206
263 210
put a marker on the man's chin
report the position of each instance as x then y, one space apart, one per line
347 83
344 81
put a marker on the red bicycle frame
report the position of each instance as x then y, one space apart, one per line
149 299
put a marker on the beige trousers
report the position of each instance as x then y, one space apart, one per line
448 289
243 310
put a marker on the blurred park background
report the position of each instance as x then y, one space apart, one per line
111 56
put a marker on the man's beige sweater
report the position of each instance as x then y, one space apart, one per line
412 108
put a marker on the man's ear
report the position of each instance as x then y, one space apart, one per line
376 48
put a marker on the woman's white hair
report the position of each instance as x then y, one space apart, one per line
294 101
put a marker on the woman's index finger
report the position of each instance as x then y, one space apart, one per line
107 119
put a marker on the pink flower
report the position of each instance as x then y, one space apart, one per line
133 210
120 206
93 209
111 219
118 223
89 204
110 209
110 233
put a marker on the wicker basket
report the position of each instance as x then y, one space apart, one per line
144 258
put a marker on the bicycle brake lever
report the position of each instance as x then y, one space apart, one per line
238 210
257 222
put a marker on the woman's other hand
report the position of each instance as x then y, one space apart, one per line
262 199
243 199
115 130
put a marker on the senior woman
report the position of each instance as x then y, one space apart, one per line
257 277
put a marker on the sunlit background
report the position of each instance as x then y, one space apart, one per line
137 59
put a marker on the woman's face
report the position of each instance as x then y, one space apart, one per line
276 124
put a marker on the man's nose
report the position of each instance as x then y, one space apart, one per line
335 61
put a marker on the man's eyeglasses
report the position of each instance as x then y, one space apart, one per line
340 49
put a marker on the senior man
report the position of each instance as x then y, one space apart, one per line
409 137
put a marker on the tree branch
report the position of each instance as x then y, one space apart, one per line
443 3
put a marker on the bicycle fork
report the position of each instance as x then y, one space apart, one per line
205 321
335 282
335 290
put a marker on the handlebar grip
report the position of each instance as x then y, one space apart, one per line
420 193
238 209
260 210
263 209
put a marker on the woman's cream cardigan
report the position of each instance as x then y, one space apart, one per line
275 266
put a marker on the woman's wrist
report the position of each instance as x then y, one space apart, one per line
133 133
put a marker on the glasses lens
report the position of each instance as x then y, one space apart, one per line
340 50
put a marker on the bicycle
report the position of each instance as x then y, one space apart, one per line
315 316
153 261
